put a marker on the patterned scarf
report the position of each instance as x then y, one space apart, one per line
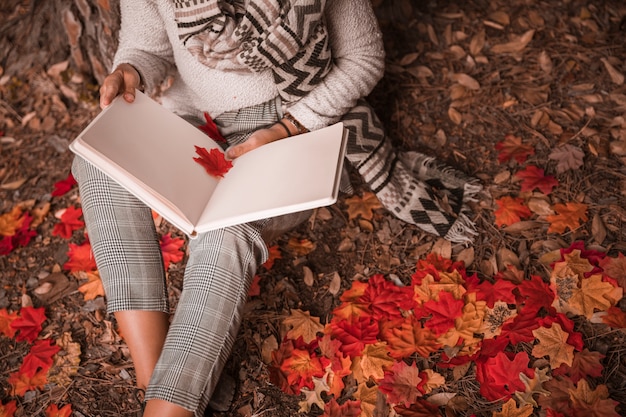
287 36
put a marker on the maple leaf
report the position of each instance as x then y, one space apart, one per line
255 287
170 249
301 324
362 206
93 287
213 161
520 328
274 254
354 335
400 384
533 386
592 403
54 411
64 186
533 177
410 337
510 210
585 364
6 319
300 368
499 377
10 222
210 128
80 258
559 398
553 343
300 247
444 312
39 357
569 215
615 268
314 396
66 365
535 294
348 409
20 382
512 147
374 360
368 398
6 245
592 294
69 222
615 318
500 290
29 323
510 409
567 157
385 299
8 409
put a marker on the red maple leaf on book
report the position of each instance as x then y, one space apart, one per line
210 128
213 161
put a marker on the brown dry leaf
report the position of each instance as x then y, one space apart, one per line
465 80
39 213
553 343
314 397
505 258
455 116
598 230
500 17
616 76
369 399
13 185
567 157
545 62
539 206
477 43
510 409
335 284
533 386
596 402
515 46
363 206
309 278
66 361
269 345
302 324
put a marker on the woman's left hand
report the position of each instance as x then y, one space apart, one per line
261 137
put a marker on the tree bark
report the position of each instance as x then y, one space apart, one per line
40 33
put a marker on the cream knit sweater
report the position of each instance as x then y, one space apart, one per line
149 41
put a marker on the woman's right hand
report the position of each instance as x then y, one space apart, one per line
123 80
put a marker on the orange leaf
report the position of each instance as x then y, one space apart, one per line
54 411
510 409
511 210
300 247
593 294
354 335
512 147
363 206
10 222
301 324
409 338
553 343
93 287
20 382
348 409
213 161
300 368
274 253
374 360
6 319
615 318
569 215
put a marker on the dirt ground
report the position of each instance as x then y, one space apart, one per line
448 91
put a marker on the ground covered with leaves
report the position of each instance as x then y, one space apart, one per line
357 313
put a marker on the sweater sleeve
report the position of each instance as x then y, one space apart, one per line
358 64
144 42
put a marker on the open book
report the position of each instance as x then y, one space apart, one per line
149 151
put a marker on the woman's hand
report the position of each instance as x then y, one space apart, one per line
278 130
123 80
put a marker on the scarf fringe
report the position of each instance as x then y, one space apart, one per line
464 229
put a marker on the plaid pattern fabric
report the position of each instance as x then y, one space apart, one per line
286 36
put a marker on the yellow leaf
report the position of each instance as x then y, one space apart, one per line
553 343
374 359
302 324
592 294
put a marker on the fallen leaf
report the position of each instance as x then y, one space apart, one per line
363 206
6 319
28 324
588 402
515 46
533 177
8 409
300 247
54 411
349 408
374 360
301 324
80 258
510 409
400 384
171 249
534 386
64 186
67 362
567 157
512 147
568 215
592 294
93 287
10 222
616 76
510 210
20 382
39 357
552 343
69 222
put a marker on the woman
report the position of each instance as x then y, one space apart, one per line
265 70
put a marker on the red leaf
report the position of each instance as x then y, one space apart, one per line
400 384
29 323
355 334
63 186
386 300
210 128
444 312
255 288
585 364
20 382
511 210
501 290
536 294
533 177
80 258
170 248
69 223
499 376
301 367
348 409
520 329
6 245
8 409
54 411
615 317
6 319
274 254
213 162
512 147
39 357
